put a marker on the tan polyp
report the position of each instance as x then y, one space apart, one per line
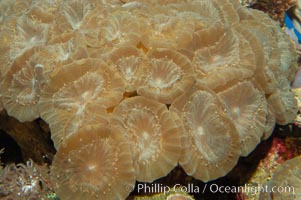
129 61
79 93
270 123
167 74
71 14
154 136
265 76
95 163
247 107
221 63
284 103
20 90
227 11
286 178
206 127
123 28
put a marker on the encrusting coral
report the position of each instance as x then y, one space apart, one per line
194 82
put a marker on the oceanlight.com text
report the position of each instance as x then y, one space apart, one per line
213 188
251 189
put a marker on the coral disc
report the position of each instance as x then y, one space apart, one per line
95 164
155 138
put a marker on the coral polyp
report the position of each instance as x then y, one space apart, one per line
155 138
130 89
98 166
287 179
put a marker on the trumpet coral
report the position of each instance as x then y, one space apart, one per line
166 76
95 164
129 62
66 104
285 182
206 126
212 78
248 108
155 138
24 80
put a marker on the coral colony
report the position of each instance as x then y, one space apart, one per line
131 89
285 182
